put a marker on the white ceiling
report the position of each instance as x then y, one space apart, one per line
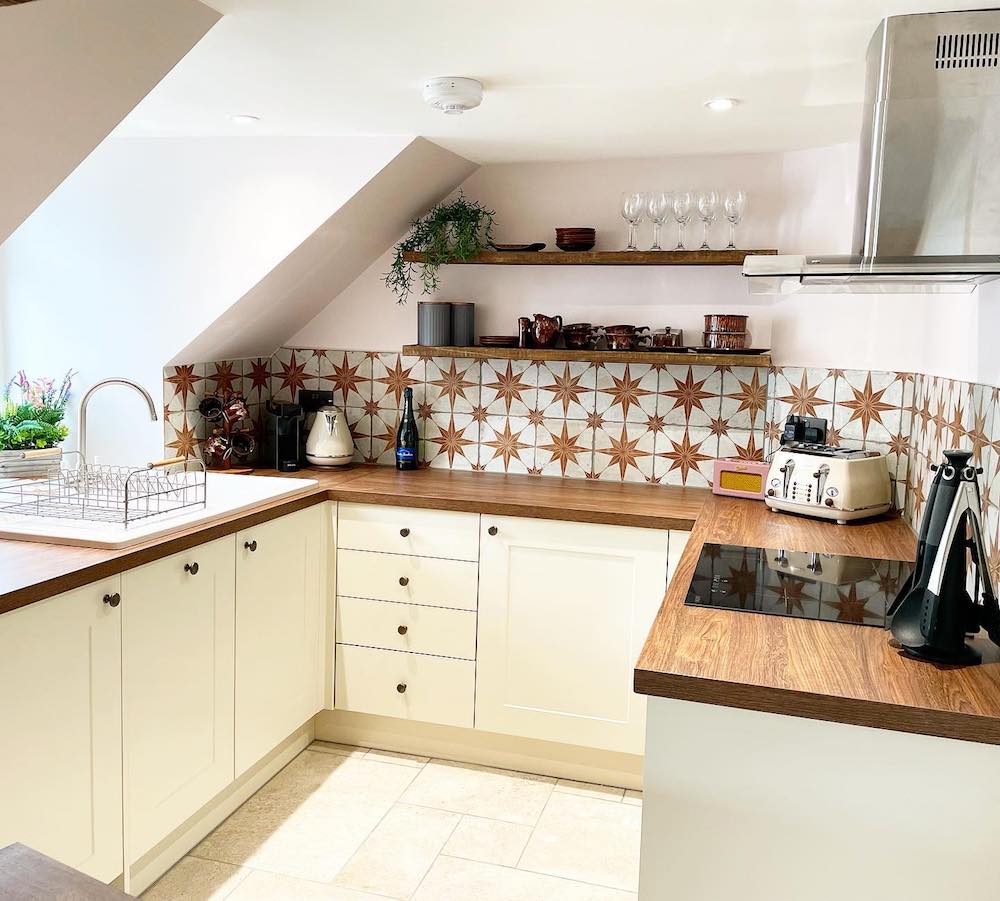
564 79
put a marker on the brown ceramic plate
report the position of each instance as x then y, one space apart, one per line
522 248
498 340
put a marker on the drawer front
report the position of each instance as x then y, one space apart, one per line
404 530
407 627
435 689
408 580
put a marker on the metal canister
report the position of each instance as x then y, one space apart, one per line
434 323
463 323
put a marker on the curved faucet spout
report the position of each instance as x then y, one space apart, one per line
82 420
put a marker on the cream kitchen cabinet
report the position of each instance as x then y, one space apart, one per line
178 669
61 756
281 579
564 609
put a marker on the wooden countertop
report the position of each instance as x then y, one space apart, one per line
820 670
31 571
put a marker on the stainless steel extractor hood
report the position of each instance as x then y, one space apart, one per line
928 203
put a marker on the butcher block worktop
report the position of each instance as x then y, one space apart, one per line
808 668
31 571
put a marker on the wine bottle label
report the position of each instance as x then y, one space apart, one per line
406 454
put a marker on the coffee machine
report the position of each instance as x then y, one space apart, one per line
282 436
935 611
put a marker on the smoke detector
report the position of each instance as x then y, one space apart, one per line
452 95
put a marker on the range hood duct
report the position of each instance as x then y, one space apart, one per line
928 201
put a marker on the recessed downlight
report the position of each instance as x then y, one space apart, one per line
245 119
721 104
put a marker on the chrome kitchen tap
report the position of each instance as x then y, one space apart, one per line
82 420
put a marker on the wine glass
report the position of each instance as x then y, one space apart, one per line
682 214
632 208
735 206
658 204
708 209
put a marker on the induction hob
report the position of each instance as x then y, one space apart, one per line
800 584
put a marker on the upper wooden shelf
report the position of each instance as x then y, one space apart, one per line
708 358
604 258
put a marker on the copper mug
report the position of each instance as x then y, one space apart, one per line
545 330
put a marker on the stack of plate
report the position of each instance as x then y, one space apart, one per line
498 340
576 238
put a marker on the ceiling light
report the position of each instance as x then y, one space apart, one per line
245 119
453 95
721 104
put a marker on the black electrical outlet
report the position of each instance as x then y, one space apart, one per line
312 400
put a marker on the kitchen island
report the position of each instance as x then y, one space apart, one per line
801 759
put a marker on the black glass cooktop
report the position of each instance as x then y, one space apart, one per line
797 583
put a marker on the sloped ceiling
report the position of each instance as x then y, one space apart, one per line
333 256
71 70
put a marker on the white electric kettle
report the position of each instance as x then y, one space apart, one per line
329 442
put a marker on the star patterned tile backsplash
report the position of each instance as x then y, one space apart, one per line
623 422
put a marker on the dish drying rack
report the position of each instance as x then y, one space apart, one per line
121 495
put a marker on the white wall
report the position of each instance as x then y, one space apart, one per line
147 242
800 202
71 70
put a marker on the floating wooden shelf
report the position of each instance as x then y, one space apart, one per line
604 258
589 356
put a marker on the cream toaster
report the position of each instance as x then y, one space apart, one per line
838 483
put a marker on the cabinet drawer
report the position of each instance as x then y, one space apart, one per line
436 689
408 580
404 530
425 630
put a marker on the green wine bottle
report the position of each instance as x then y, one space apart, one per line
407 436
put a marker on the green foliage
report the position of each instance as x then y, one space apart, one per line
451 231
35 420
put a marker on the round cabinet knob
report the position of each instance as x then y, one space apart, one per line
401 687
250 545
404 581
113 600
402 630
191 568
404 533
493 530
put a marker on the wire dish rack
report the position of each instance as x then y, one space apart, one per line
121 495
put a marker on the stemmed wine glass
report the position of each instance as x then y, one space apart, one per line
734 206
682 214
658 204
708 208
632 208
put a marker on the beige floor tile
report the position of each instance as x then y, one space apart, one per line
397 757
271 887
588 840
309 820
454 879
399 852
488 841
332 747
589 790
191 879
633 797
480 791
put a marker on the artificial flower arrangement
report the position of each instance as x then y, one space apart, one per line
35 419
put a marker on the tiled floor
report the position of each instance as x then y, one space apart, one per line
352 824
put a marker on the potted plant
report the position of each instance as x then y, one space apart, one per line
31 425
456 230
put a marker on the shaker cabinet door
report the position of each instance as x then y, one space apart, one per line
564 609
178 637
60 706
281 596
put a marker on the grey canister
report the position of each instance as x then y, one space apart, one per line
463 323
434 323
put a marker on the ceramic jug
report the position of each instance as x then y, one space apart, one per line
545 330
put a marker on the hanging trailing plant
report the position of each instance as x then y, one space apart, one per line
451 231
